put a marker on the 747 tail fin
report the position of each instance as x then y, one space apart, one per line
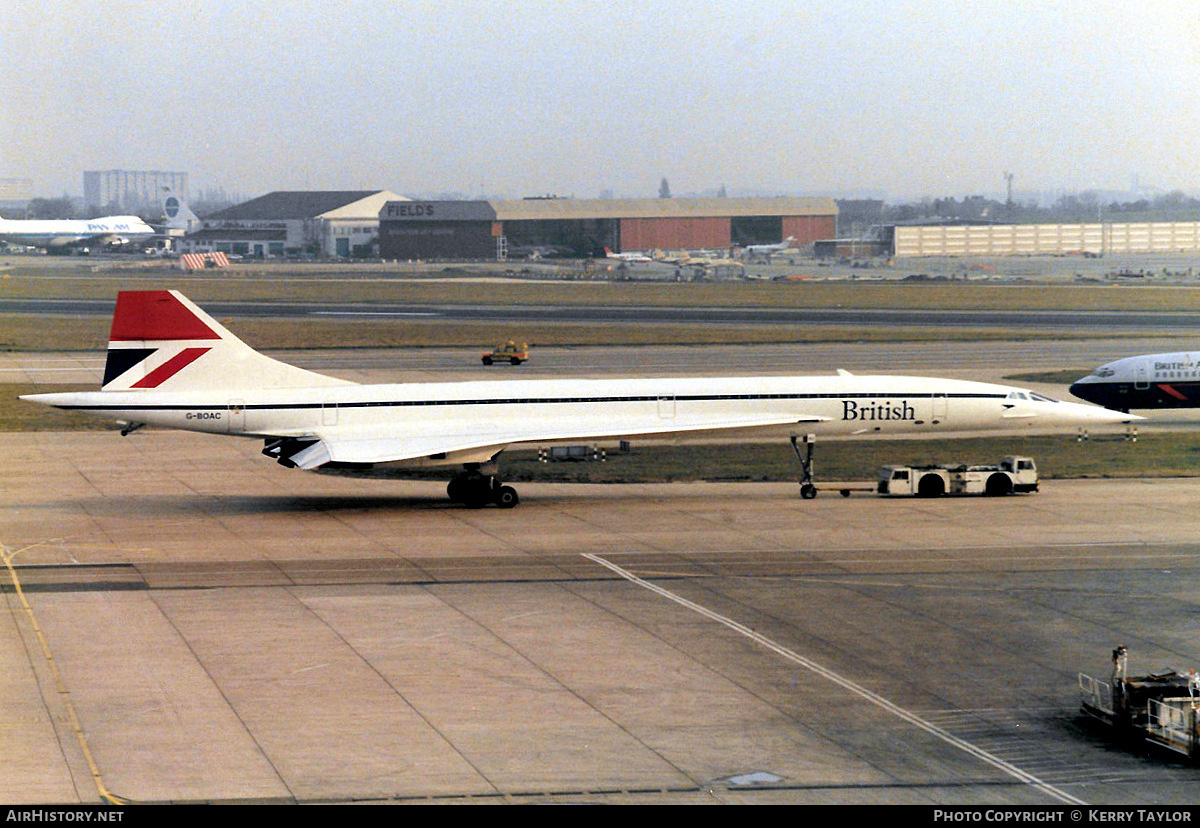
176 213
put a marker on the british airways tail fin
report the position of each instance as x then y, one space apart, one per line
161 340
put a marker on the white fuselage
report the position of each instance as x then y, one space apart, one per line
365 423
627 257
765 249
65 232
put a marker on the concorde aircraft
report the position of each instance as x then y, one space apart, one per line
171 364
1145 381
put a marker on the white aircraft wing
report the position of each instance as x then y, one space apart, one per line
388 444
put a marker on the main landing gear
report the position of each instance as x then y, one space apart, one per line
807 489
476 490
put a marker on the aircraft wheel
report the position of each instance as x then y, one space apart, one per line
808 491
506 497
472 491
477 497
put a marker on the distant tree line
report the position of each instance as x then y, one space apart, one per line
51 208
210 201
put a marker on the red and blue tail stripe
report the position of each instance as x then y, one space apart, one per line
153 316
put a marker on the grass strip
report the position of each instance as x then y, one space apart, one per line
489 286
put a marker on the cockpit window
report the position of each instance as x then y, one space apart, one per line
1041 397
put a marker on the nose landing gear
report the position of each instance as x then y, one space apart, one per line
807 489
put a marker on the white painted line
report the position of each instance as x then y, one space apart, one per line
847 684
37 369
373 313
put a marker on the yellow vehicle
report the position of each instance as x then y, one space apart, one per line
509 352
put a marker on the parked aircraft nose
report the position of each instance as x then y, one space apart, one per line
1089 391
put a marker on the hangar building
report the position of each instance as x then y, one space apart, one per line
326 224
584 227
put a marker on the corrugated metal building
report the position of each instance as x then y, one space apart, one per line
1108 238
338 224
584 227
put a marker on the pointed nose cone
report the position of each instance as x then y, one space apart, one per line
1095 415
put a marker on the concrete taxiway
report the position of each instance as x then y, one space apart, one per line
198 624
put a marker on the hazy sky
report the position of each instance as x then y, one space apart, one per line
898 97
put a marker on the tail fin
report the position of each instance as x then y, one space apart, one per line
176 212
161 340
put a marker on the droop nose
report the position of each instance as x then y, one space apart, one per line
1102 415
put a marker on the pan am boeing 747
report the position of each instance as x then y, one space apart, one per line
56 234
170 364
